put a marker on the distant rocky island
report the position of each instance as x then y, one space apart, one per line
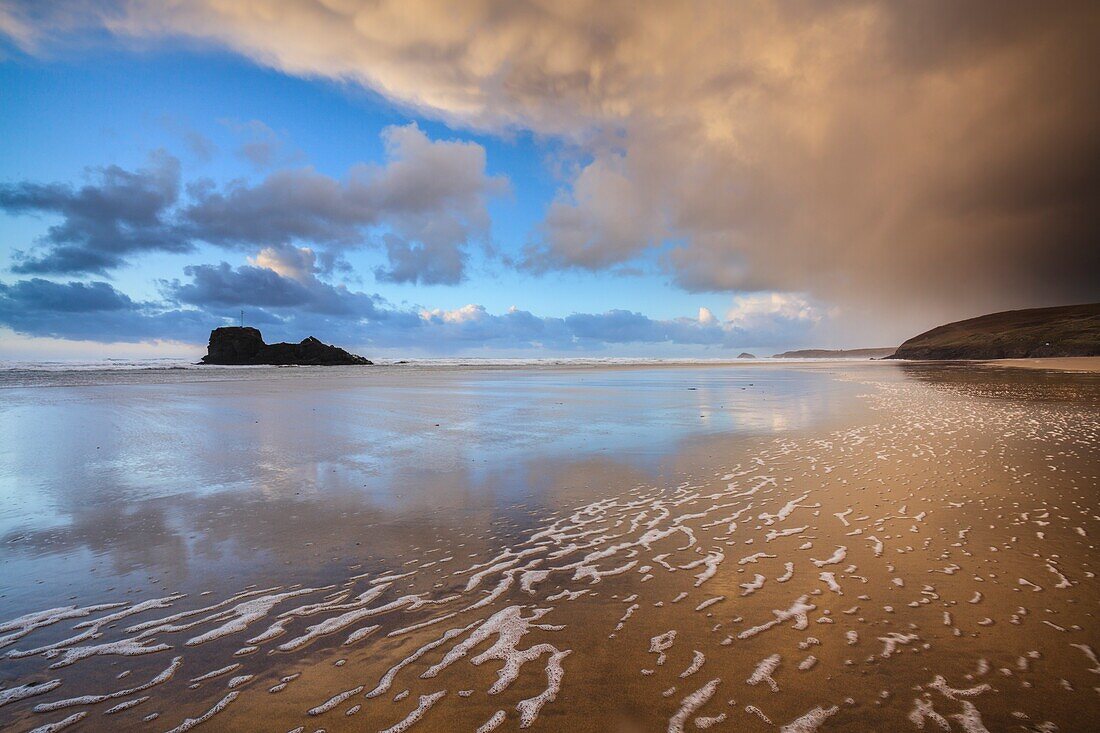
746 355
877 353
1072 330
244 345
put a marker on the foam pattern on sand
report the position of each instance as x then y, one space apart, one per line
956 573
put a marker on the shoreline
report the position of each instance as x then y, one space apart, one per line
13 377
87 376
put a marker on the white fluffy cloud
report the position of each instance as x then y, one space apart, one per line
466 314
749 311
295 263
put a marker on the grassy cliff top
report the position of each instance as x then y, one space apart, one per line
1072 330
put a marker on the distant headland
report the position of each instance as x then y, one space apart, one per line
1072 330
875 353
244 345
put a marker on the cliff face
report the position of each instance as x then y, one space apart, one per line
238 346
1037 332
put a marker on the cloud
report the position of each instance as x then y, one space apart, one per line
281 292
201 148
278 279
879 154
117 214
221 285
762 320
434 195
75 297
297 263
430 264
473 325
263 147
76 310
424 206
607 218
766 309
430 197
286 206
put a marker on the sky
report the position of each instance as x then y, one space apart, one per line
536 178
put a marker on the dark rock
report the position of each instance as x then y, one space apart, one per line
746 355
236 345
1072 330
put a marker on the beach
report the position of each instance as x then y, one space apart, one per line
833 545
1065 363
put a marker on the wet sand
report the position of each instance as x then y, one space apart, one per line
1064 363
870 546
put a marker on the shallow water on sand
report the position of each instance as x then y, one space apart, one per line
836 547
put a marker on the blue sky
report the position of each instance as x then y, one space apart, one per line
522 191
116 108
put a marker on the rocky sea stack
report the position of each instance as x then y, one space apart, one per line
244 345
